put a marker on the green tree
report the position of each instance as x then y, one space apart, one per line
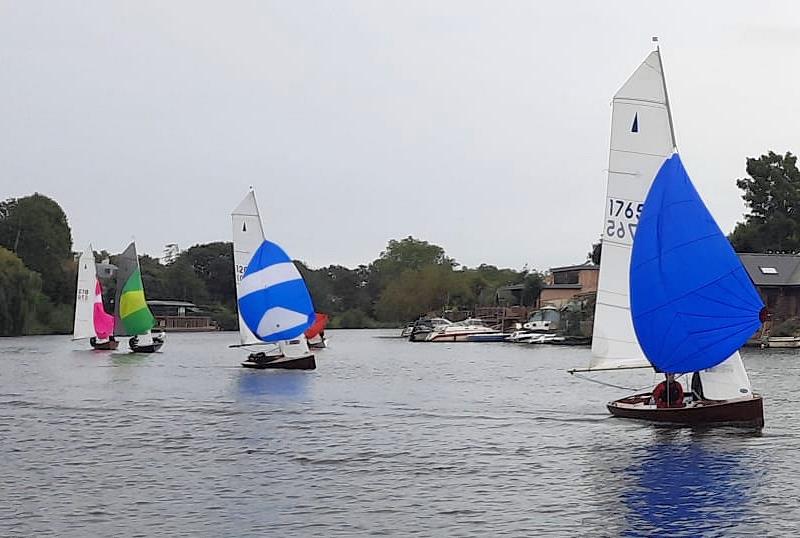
19 288
772 194
213 265
35 228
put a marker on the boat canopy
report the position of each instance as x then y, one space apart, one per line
692 302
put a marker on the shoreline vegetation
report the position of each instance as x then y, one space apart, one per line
409 278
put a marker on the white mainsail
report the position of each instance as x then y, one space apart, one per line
248 234
641 139
83 326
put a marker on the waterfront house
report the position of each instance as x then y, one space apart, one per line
180 316
564 283
777 277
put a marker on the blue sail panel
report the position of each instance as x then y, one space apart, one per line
692 302
274 301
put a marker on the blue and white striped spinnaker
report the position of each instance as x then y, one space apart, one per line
273 299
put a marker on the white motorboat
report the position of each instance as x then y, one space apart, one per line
472 329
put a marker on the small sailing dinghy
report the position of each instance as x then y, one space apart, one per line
91 319
672 294
274 304
315 335
131 313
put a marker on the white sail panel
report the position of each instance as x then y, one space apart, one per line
292 349
727 380
83 326
641 140
248 234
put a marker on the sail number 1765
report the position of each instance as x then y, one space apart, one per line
622 218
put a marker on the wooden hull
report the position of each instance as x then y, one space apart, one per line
263 362
148 348
743 412
109 345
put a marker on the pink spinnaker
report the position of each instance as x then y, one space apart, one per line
103 323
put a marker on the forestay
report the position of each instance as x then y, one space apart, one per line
693 304
248 234
641 139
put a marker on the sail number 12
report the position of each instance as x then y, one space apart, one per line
622 218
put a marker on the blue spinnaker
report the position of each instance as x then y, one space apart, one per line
692 302
274 301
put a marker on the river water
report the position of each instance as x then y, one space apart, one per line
386 438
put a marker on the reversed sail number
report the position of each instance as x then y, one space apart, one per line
622 218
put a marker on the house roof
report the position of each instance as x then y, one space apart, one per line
562 287
157 302
772 269
580 267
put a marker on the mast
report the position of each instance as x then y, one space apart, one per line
666 94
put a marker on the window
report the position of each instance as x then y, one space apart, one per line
768 270
565 277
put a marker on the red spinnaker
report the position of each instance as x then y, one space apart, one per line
320 322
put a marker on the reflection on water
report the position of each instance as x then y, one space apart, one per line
687 484
264 383
385 437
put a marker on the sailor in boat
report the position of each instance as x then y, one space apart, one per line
668 393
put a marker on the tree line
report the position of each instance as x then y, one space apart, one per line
409 278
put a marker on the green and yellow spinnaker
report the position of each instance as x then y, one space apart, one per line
133 315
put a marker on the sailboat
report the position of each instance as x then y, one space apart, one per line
273 301
131 314
316 333
672 294
91 319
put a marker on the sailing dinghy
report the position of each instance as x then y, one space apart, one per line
672 294
274 304
132 316
91 319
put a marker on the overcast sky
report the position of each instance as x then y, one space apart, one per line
482 127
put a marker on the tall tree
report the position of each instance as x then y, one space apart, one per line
18 290
35 228
213 264
772 194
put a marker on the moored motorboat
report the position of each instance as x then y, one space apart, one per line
463 331
425 326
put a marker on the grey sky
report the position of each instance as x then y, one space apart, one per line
480 126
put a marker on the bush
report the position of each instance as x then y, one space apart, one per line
790 327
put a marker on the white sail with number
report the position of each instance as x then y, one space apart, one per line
642 138
248 234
